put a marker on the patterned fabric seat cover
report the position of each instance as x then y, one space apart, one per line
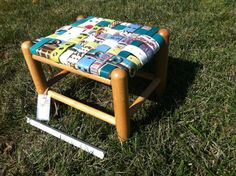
98 46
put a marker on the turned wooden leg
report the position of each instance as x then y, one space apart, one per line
119 85
161 63
35 68
79 17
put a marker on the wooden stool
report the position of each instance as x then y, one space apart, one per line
117 80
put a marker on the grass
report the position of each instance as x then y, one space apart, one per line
191 131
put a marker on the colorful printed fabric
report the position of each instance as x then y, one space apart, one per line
98 46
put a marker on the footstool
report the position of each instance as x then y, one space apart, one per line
104 50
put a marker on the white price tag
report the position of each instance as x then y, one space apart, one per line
43 107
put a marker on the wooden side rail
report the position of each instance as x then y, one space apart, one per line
83 107
144 95
72 70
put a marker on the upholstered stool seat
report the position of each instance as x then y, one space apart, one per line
98 46
106 51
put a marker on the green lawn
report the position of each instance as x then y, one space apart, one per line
191 131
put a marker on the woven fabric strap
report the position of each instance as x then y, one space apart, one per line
98 45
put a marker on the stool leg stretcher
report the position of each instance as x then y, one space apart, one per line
144 95
118 82
67 138
83 107
57 77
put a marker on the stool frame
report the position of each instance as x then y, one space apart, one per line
119 83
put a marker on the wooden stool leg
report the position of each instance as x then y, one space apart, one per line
161 63
35 68
79 17
119 85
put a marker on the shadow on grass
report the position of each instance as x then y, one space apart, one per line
181 74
